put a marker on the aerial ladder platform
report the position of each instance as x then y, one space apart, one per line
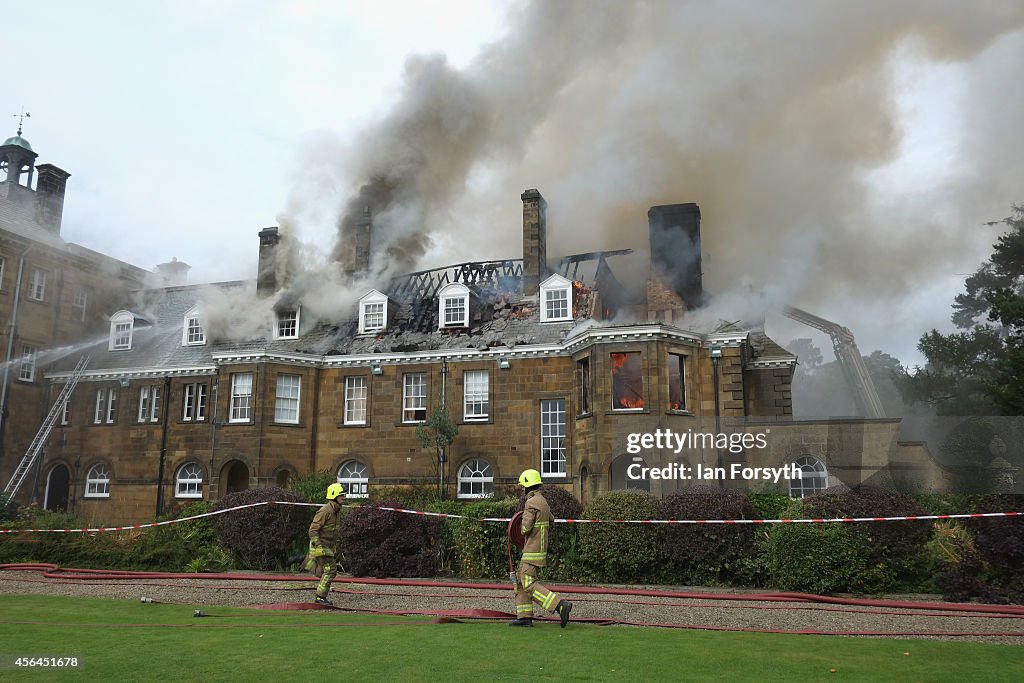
850 361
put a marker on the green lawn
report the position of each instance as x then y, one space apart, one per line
120 640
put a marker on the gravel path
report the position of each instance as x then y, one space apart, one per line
697 612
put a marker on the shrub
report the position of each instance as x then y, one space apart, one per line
993 569
622 553
313 486
820 558
260 536
383 543
899 547
563 540
412 497
769 505
707 553
479 549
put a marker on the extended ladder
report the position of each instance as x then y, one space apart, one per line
36 447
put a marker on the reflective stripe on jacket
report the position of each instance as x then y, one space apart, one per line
536 526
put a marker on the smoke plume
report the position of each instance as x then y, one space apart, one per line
776 118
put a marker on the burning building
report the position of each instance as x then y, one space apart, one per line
551 363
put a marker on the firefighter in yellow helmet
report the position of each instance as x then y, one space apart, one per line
536 526
324 537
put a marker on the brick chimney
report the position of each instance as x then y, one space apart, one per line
355 253
674 284
266 274
535 250
51 182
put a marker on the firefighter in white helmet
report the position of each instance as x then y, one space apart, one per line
536 526
324 537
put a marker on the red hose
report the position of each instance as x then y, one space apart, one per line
53 571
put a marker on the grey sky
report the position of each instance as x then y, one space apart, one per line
846 156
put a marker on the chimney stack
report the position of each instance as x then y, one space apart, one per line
674 285
51 182
266 274
535 256
355 255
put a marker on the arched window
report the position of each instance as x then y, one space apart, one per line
189 482
354 476
814 479
122 325
476 479
97 482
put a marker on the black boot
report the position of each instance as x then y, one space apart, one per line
562 609
522 621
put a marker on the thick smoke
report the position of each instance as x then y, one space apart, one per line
771 116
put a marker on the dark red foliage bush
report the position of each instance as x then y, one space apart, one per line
707 553
994 571
260 536
383 543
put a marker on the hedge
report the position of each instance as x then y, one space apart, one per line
622 553
260 537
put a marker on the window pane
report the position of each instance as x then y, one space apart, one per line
556 303
241 397
373 317
583 385
552 440
354 476
355 400
676 396
286 406
414 400
627 381
476 395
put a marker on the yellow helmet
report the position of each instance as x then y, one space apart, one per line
529 478
335 490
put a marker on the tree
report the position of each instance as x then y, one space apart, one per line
438 433
980 371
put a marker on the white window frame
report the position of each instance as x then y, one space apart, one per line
356 478
356 399
192 332
453 297
122 329
106 406
188 482
289 317
814 479
286 398
476 479
37 285
241 397
476 402
3 269
65 412
97 481
371 322
552 437
194 402
414 397
80 302
149 403
555 293
27 368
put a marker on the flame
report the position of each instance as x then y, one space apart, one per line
634 402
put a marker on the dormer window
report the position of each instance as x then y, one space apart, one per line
453 306
192 333
373 312
555 299
287 326
122 325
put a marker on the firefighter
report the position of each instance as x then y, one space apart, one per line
324 537
536 525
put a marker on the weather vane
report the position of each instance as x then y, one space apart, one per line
21 117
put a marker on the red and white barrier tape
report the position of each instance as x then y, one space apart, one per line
907 518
